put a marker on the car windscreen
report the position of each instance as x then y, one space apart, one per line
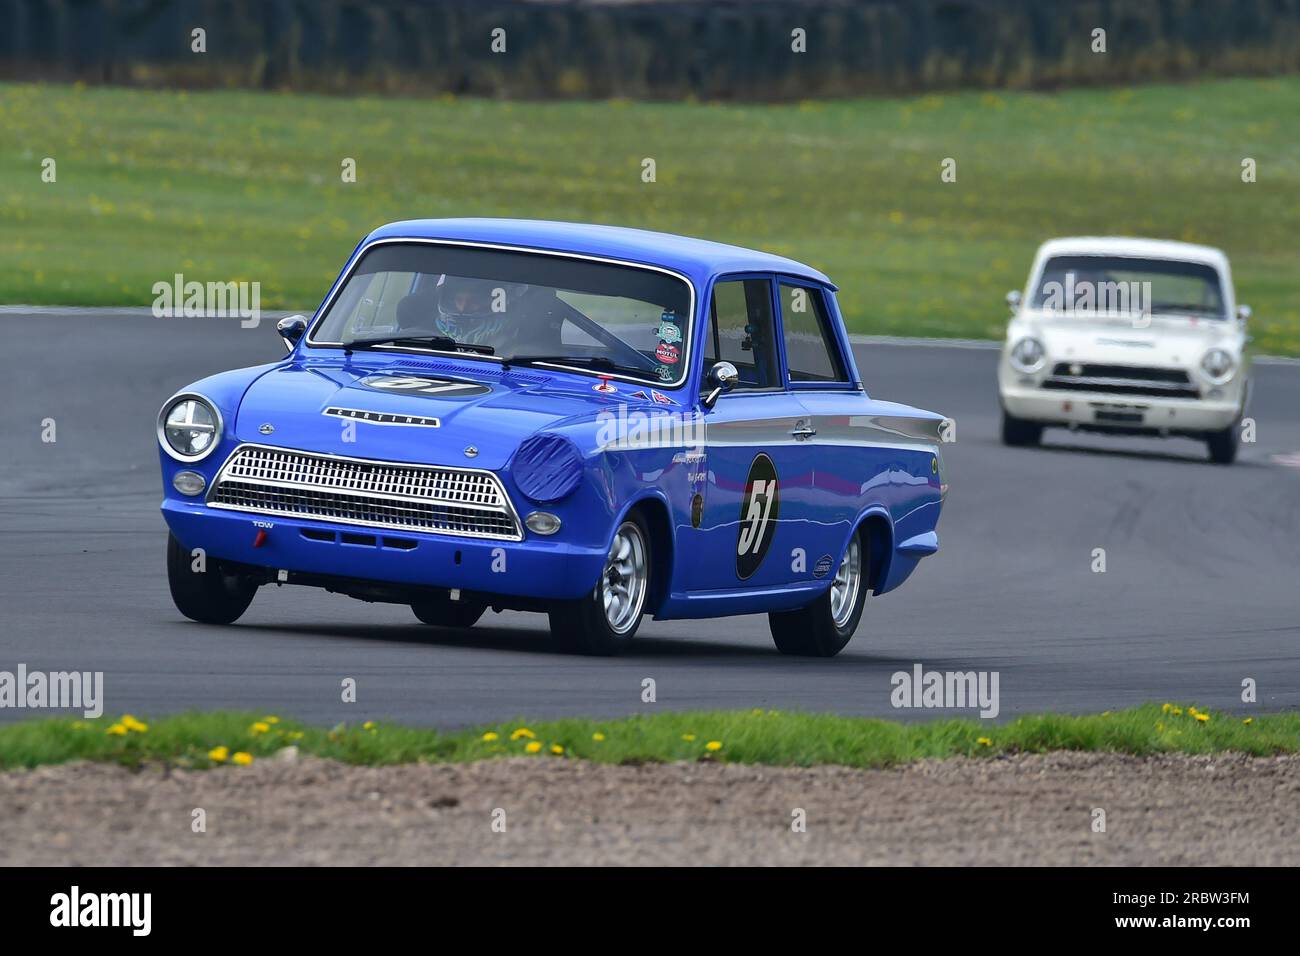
1127 284
594 316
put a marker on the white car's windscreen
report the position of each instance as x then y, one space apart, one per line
1124 285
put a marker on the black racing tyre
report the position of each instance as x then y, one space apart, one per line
1223 445
208 596
822 628
1019 432
441 611
604 621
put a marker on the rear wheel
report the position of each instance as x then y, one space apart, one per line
441 611
1223 445
1020 432
605 620
822 628
205 594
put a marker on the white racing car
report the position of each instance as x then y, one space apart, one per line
1127 336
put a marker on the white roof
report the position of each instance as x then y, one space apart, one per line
1127 246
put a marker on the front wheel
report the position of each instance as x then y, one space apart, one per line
1223 445
441 611
822 628
604 621
202 592
1020 432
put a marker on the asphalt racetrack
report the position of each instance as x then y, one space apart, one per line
1201 590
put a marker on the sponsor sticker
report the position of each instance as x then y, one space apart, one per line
822 567
667 353
606 387
660 398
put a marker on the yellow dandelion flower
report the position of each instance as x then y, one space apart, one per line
688 737
713 745
1202 717
521 733
272 719
1177 712
984 742
369 725
294 735
241 757
491 735
130 723
219 754
117 730
1249 720
556 749
598 736
533 747
259 727
757 711
1166 708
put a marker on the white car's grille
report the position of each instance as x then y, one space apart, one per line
1121 380
381 494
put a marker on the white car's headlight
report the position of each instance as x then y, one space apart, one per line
189 427
1218 365
1028 354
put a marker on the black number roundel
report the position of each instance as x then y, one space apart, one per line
759 509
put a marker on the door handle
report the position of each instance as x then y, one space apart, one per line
802 431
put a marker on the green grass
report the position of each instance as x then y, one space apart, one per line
764 737
246 186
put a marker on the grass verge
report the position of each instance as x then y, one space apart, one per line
764 737
246 186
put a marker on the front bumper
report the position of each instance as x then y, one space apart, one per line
1104 410
535 568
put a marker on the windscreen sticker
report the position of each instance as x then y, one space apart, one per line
668 354
668 331
760 508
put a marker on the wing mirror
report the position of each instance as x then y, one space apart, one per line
1013 300
723 377
1244 313
291 328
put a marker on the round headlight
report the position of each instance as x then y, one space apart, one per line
1219 365
189 427
1028 354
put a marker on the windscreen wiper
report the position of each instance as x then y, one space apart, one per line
445 342
590 361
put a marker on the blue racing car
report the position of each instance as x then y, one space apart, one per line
591 422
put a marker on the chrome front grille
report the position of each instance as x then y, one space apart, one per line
381 494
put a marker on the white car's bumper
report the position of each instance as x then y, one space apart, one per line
1119 412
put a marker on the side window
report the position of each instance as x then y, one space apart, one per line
811 351
741 332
